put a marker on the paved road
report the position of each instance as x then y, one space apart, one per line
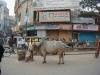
74 65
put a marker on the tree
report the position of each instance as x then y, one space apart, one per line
89 4
87 14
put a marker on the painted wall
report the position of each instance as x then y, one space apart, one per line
59 34
53 34
67 35
41 33
90 36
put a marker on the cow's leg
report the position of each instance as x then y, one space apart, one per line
44 58
59 59
62 57
32 56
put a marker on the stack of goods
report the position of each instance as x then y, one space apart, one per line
21 55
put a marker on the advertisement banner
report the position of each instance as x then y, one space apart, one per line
54 16
56 3
51 27
65 27
83 20
85 27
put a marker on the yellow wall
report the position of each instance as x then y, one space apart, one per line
67 35
59 34
53 34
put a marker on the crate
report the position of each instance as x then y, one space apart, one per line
21 55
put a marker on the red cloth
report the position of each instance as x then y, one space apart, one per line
98 46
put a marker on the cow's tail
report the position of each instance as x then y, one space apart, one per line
64 52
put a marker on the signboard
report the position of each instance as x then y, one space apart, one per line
56 3
51 27
26 19
41 33
65 27
85 27
83 20
54 16
43 27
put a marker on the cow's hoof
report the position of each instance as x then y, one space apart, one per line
26 61
62 63
44 62
31 59
59 63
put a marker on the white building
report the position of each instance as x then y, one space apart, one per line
4 17
28 11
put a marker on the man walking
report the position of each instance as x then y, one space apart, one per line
11 44
98 49
1 41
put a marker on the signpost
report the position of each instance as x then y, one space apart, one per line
26 19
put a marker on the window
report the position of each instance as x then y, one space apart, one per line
32 33
35 16
76 35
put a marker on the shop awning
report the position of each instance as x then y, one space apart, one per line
50 27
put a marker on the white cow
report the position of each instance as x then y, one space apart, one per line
51 47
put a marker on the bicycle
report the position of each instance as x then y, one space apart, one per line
8 52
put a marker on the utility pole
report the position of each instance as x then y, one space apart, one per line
26 18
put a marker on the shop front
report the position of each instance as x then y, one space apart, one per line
56 23
87 36
59 35
86 32
36 30
63 31
51 31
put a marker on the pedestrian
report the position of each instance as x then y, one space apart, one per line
11 44
23 44
87 43
1 41
1 55
98 49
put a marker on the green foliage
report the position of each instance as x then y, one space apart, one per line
87 14
91 4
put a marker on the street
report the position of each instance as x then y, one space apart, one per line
33 27
74 65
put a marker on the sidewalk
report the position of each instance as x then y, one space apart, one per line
79 52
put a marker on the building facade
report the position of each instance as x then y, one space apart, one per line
55 19
31 14
12 24
23 11
85 29
4 17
